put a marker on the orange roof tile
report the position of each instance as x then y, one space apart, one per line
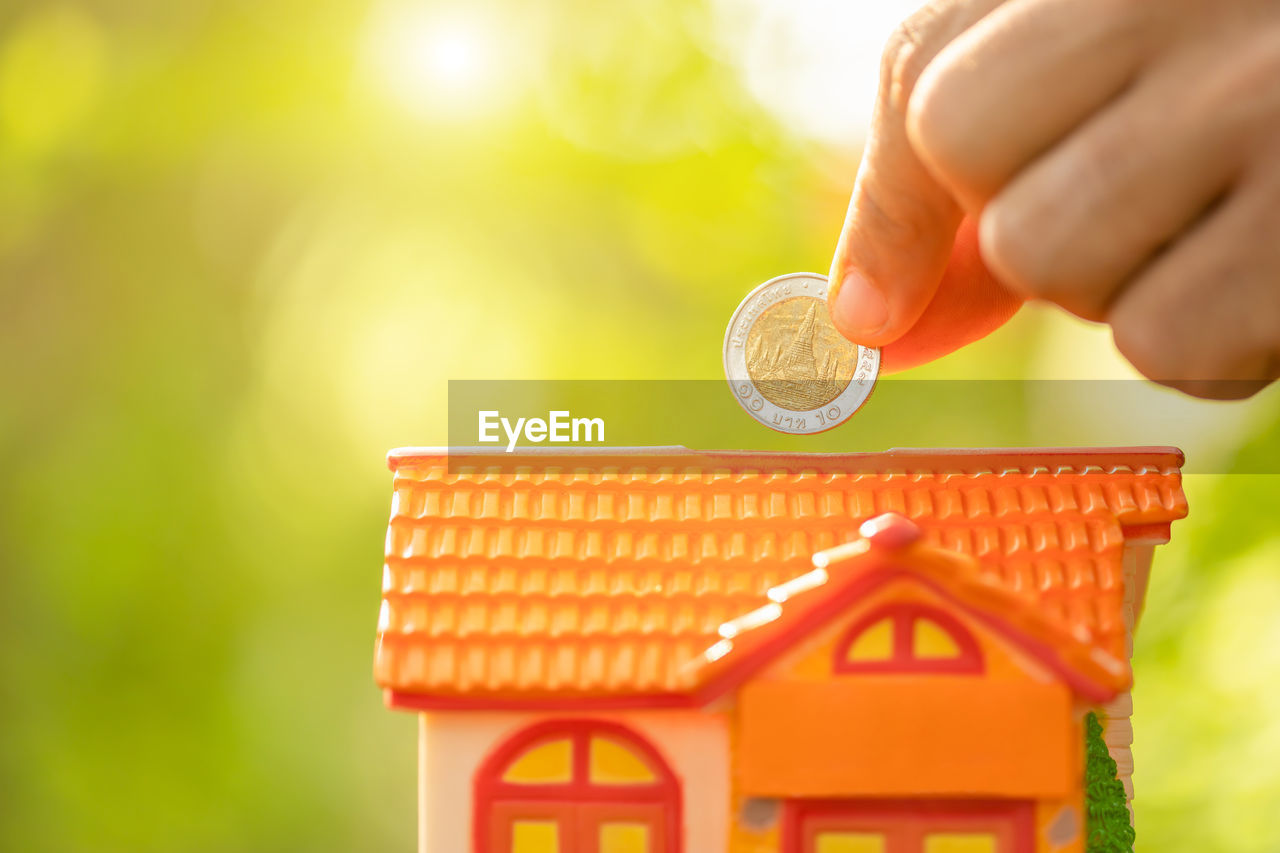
604 574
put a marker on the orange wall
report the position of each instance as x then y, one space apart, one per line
884 735
1048 748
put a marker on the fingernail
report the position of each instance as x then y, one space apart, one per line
860 308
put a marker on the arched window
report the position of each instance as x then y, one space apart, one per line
576 785
908 637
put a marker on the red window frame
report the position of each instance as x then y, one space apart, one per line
903 616
907 823
495 798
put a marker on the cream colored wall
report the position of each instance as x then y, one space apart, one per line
1117 725
452 744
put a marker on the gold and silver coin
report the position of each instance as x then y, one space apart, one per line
786 363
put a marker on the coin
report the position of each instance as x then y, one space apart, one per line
786 363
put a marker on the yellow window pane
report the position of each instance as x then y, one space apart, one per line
624 838
956 842
875 643
849 842
544 764
931 641
614 764
535 836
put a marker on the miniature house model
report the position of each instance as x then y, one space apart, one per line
667 651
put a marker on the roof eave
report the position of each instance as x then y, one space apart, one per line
400 700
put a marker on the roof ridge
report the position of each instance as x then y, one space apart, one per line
1172 456
649 480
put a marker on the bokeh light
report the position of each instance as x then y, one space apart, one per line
813 63
441 62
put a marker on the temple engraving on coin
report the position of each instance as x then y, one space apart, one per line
787 365
796 357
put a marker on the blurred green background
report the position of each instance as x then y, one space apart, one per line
244 244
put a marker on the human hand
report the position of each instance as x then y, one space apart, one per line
1120 158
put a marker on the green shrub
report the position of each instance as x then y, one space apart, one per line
1106 813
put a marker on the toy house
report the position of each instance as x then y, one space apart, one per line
668 651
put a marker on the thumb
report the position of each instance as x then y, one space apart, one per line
901 223
895 243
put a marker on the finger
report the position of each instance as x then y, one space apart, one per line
1205 316
898 231
1077 223
1021 78
968 305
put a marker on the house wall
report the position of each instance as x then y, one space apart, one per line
452 745
1060 826
1059 821
1116 716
